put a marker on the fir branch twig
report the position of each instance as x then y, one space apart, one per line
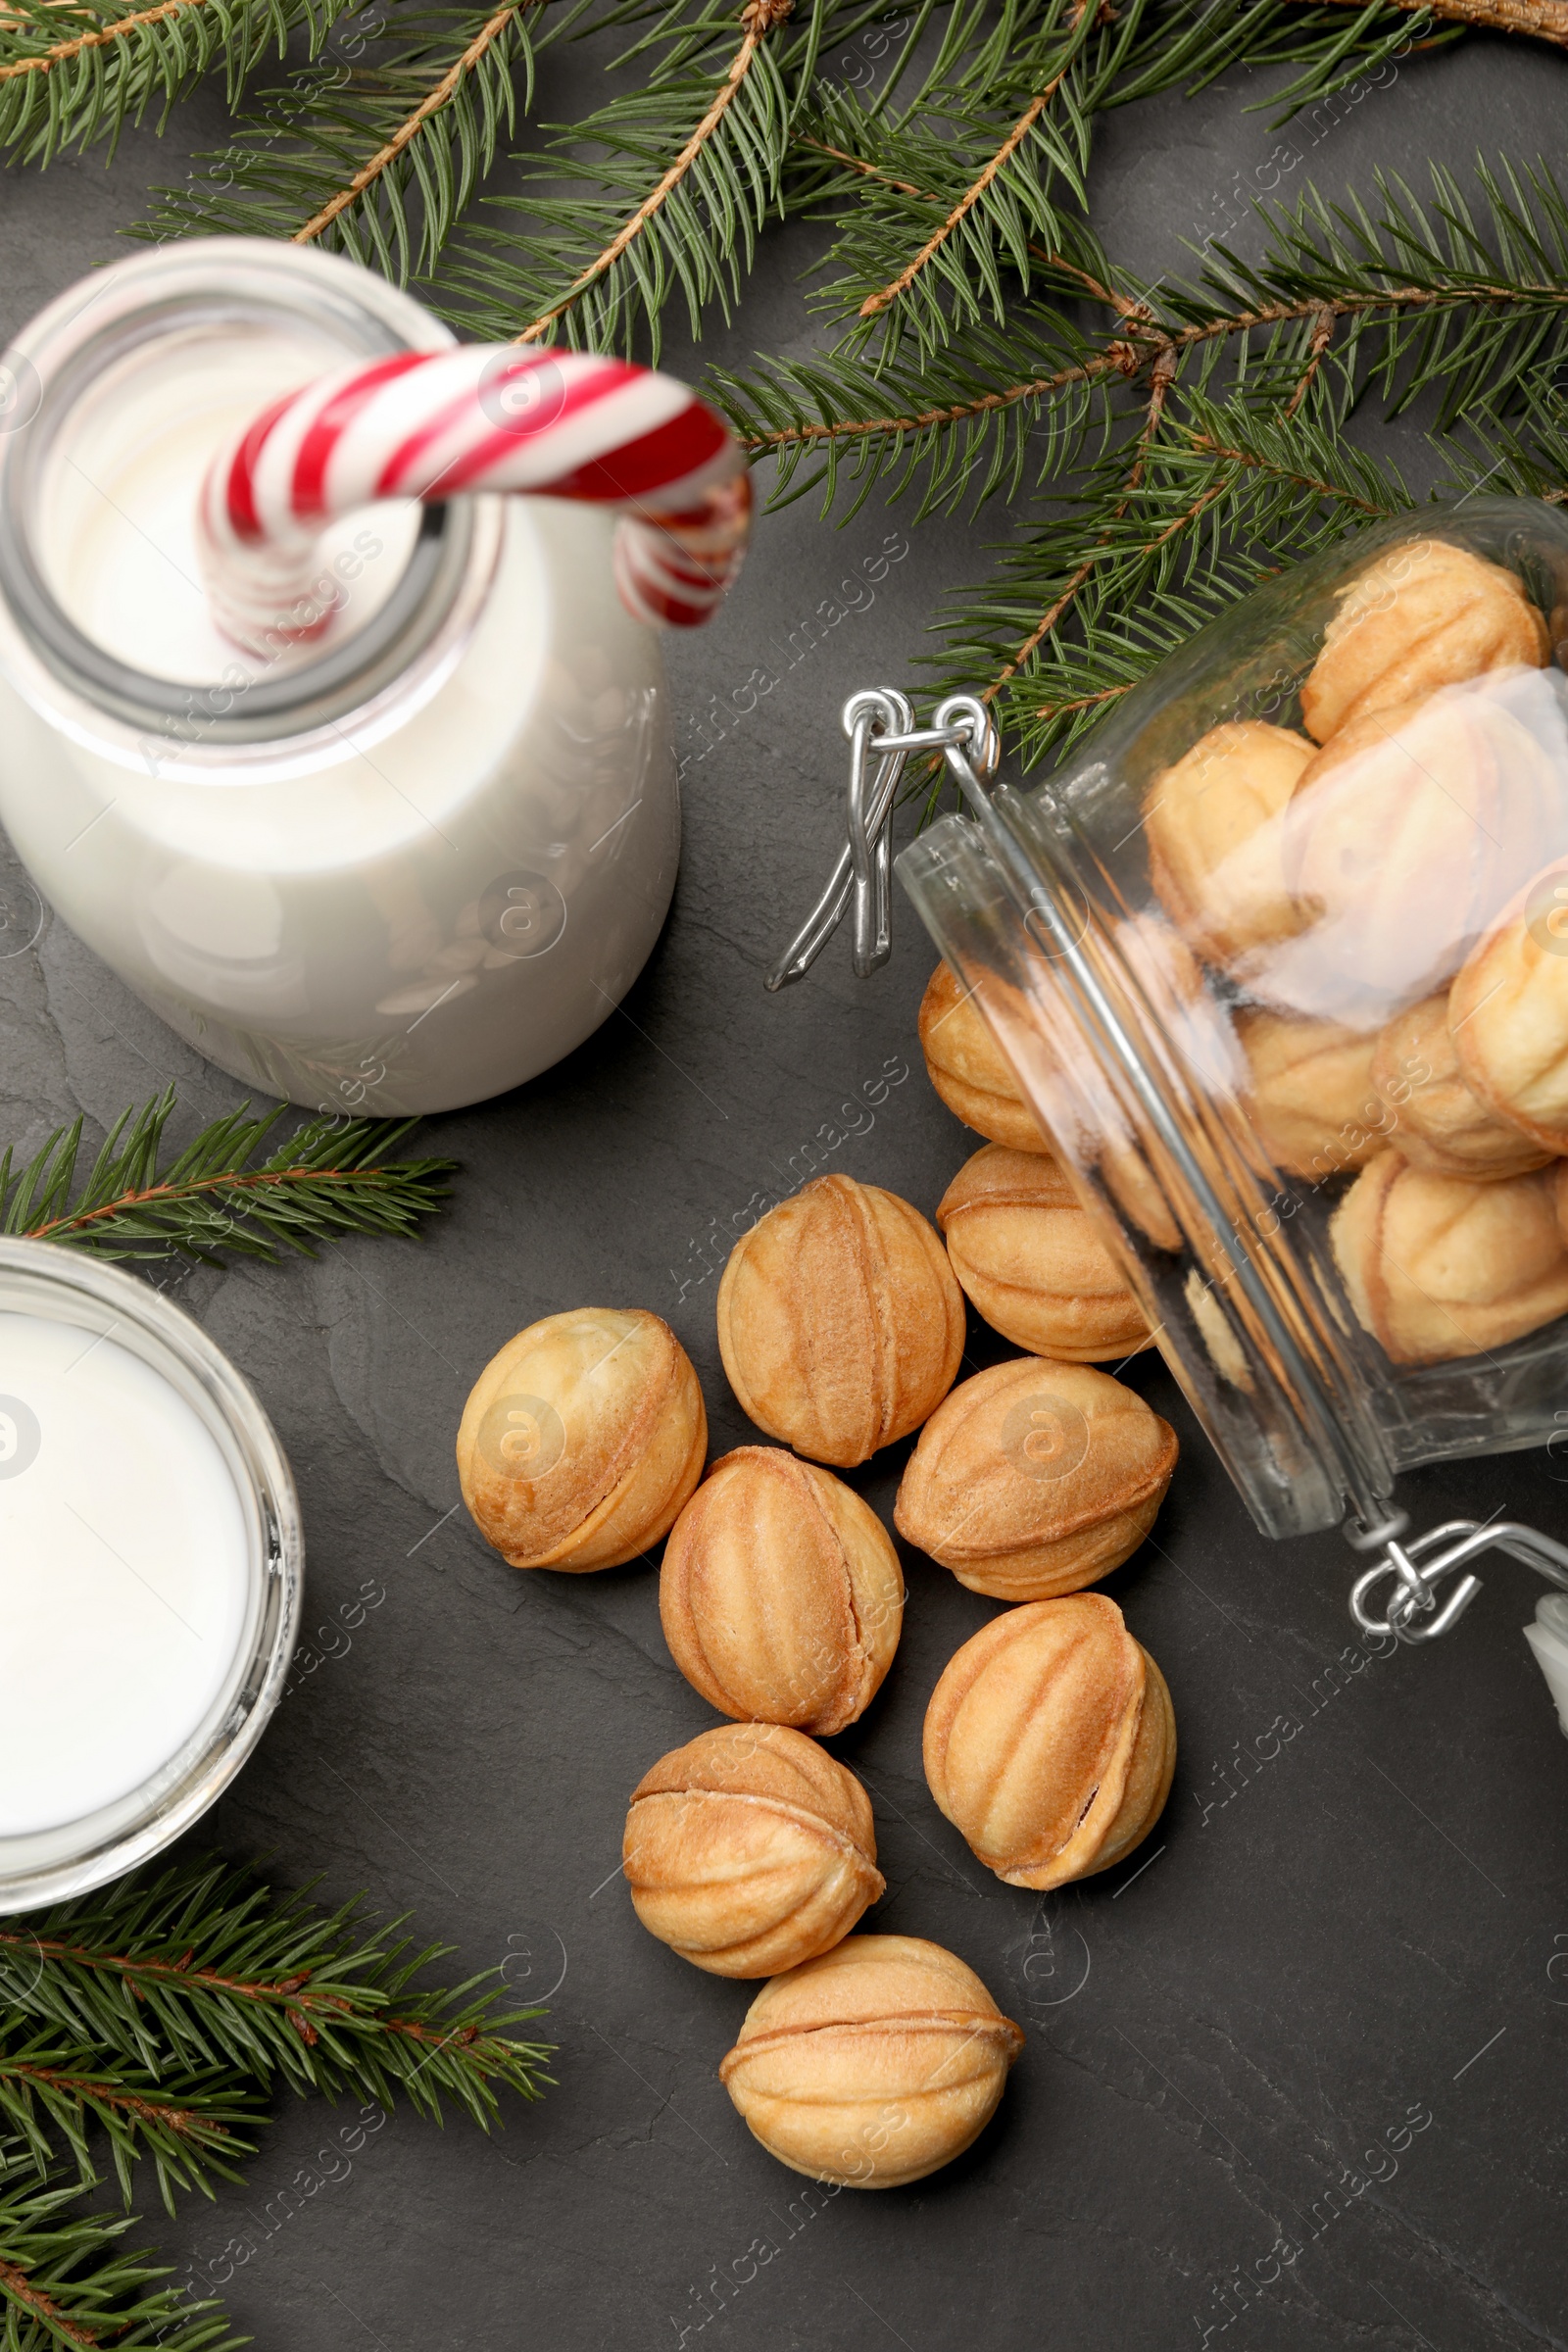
1322 337
859 165
1163 377
377 159
1142 342
966 203
326 1181
61 53
68 78
1253 459
66 2280
202 1966
52 2089
1409 298
759 19
408 130
1537 20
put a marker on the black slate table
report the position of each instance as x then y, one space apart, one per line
1293 2075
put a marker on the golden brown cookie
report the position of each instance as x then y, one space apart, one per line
1443 1266
780 1594
1425 614
1029 1258
1213 826
874 2065
1035 1478
750 1849
582 1438
1509 1013
1387 809
1435 1120
1050 1743
1407 833
969 1068
840 1323
1311 1093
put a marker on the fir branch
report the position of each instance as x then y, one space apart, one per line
67 89
963 421
1283 470
119 29
483 43
52 2091
1520 457
998 135
789 392
377 160
598 268
791 408
994 166
615 224
1538 20
1163 377
1337 44
753 402
67 2280
1427 298
326 1181
204 1966
758 16
1074 278
999 144
857 164
1459 304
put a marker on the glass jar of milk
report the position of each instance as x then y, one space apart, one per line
397 869
151 1572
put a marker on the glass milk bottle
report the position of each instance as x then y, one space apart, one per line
398 868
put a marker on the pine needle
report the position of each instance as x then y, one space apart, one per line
191 2124
67 2280
328 1180
166 2010
597 268
70 82
373 153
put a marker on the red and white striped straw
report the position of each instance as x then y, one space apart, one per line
439 424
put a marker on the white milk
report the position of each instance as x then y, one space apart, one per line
122 1573
119 502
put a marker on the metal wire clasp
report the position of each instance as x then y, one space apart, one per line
1418 1564
881 724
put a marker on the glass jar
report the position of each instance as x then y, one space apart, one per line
151 1572
1266 990
398 869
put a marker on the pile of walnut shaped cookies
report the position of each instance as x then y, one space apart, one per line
1050 1739
1376 896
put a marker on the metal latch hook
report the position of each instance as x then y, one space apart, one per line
879 722
1419 1564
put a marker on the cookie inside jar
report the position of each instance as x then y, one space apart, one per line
1365 872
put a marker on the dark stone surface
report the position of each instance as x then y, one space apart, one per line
1364 1930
